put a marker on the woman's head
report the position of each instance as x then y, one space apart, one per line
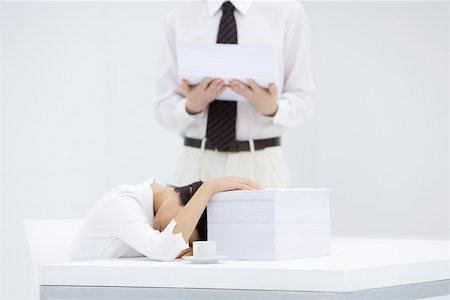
172 200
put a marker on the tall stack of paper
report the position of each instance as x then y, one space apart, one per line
270 224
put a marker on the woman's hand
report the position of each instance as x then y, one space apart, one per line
186 252
229 184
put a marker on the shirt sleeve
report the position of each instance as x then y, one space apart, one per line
295 102
170 103
128 222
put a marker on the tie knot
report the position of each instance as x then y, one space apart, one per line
228 7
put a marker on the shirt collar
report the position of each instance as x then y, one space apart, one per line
243 6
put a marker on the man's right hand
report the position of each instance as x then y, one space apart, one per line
199 96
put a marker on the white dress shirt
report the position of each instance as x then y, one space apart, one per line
282 25
120 225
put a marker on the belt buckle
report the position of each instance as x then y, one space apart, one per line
233 147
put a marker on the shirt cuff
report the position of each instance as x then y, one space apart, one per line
183 115
282 112
176 240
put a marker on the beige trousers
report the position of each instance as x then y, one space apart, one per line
267 167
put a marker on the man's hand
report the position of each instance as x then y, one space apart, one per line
264 100
199 96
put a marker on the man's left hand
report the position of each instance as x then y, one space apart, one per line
263 99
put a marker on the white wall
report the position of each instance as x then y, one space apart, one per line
1 156
77 116
380 132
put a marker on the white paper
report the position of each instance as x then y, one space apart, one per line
227 61
270 224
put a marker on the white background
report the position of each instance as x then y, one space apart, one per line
76 118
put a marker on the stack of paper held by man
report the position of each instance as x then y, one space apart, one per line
270 224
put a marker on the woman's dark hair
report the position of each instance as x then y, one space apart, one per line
186 192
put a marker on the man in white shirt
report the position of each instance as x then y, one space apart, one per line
149 219
224 138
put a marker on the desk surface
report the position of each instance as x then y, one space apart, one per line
354 264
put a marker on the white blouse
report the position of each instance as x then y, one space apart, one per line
120 225
281 24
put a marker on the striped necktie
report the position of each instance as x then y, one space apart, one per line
221 128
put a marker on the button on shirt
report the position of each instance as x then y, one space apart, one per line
282 25
120 225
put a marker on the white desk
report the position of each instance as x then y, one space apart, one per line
357 267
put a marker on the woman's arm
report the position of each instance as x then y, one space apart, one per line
127 221
188 217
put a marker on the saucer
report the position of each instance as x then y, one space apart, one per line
203 260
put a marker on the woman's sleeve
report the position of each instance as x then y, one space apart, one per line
129 223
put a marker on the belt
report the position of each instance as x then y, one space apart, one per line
235 146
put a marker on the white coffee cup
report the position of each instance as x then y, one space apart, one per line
204 248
